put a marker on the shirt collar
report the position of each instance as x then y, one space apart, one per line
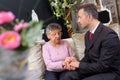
93 31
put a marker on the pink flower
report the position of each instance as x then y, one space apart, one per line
10 40
6 17
20 26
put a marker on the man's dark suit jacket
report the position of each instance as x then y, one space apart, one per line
102 53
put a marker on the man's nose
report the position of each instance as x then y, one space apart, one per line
78 21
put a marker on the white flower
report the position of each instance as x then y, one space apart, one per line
56 1
53 4
63 5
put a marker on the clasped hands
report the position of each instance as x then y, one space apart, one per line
70 63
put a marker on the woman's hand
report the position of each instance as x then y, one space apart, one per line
75 64
67 62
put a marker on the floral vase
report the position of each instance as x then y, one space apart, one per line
13 64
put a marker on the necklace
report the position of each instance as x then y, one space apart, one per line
56 50
57 53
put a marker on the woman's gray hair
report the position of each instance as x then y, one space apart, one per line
53 26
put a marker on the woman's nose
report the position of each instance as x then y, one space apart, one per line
58 35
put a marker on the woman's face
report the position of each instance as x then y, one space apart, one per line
55 36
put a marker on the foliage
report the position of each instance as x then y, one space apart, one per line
61 8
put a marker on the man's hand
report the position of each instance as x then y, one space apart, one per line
67 64
75 64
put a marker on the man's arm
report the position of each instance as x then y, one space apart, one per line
107 55
108 51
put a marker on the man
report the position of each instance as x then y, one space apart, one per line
102 57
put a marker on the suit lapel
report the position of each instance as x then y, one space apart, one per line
89 43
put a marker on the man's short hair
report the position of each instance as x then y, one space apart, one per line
89 9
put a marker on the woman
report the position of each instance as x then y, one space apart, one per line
56 53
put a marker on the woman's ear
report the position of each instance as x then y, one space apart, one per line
48 36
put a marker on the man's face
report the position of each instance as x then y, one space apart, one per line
83 18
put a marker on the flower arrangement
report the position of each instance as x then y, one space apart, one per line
15 34
65 9
61 8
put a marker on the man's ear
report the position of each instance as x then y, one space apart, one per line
90 16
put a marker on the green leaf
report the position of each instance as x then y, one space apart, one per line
31 33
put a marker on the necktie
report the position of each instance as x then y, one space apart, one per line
90 36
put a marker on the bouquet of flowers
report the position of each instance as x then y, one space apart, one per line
15 34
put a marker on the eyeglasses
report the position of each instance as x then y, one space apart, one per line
56 34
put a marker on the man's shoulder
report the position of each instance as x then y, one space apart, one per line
106 29
107 32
